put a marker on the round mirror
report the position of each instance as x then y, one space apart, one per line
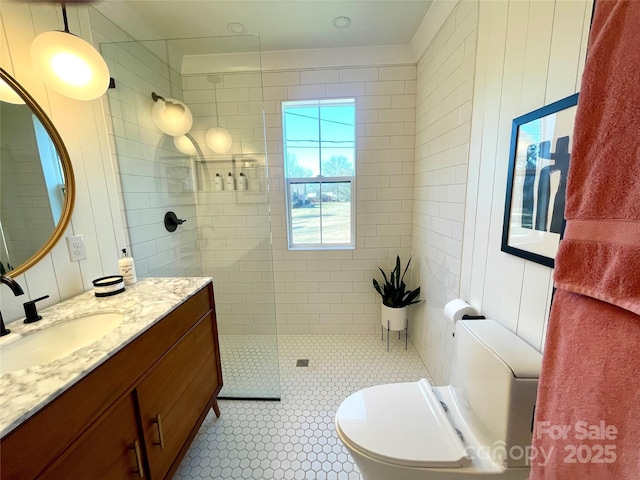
37 189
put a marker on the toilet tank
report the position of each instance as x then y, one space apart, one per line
494 382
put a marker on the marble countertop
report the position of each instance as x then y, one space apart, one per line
24 392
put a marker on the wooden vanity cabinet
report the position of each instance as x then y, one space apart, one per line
107 424
173 397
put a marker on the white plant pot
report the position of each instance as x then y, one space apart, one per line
395 318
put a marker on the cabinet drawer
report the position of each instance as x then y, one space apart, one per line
106 452
175 394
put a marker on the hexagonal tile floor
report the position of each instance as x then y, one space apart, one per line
295 438
250 366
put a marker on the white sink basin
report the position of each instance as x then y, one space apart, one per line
57 341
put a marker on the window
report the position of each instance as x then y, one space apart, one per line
319 169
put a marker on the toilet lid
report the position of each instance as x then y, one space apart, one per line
401 424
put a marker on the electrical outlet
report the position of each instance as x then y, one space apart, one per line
77 250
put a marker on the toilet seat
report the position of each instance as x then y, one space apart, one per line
401 424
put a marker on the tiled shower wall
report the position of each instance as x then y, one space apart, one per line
443 130
154 177
234 228
315 291
330 292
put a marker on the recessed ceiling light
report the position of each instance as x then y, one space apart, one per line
235 27
341 22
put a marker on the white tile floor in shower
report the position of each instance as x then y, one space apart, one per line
250 366
295 438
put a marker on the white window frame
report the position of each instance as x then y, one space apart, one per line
319 179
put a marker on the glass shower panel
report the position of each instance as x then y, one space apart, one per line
215 178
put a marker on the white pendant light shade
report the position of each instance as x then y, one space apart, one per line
172 116
8 95
184 145
219 139
69 65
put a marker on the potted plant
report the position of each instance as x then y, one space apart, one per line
395 297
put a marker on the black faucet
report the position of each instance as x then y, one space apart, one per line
17 290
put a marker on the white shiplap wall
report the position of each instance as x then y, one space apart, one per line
81 126
529 54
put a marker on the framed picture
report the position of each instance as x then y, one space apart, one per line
536 187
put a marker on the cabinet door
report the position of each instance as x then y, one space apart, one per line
175 395
111 449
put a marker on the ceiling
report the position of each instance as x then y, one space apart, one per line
286 25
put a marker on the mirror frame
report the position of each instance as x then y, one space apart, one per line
67 171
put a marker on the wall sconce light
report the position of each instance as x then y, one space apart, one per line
218 138
171 116
185 145
68 64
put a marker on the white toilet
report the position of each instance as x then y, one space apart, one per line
478 427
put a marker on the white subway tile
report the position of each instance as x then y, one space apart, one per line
314 308
377 242
335 318
298 298
354 89
397 115
403 101
325 329
405 72
242 80
302 287
386 88
272 79
383 129
274 93
375 102
306 92
358 74
318 76
325 297
347 308
373 143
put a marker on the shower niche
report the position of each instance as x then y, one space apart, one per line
250 166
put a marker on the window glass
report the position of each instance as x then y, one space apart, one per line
319 144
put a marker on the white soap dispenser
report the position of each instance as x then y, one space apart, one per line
229 183
217 182
127 268
242 182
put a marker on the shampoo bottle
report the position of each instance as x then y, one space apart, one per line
230 184
217 182
127 268
242 182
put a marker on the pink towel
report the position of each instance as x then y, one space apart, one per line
600 253
588 411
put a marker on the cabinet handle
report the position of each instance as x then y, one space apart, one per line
158 422
136 449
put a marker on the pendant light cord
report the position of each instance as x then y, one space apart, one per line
215 102
64 18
